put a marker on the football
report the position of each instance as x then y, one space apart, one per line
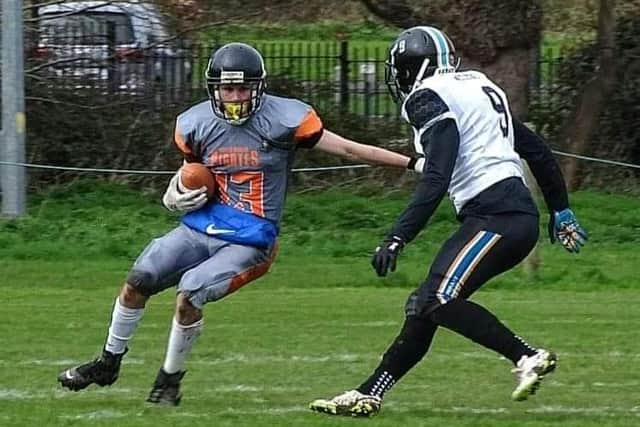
196 175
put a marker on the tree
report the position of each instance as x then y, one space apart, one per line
589 104
500 38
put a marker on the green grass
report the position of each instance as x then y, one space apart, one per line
315 325
326 30
334 230
267 351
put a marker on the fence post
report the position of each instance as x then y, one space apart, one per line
535 61
344 75
111 56
368 72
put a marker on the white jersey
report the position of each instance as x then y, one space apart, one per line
480 109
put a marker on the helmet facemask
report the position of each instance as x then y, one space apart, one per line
236 64
235 112
401 80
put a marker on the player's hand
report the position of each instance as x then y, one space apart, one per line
179 198
564 227
386 254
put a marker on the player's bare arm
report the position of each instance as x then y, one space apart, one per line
335 144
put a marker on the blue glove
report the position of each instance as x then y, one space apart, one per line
564 227
386 254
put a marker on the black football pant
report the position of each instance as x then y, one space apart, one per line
483 247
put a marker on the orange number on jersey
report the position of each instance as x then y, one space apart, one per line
254 197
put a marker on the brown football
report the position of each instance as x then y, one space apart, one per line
196 175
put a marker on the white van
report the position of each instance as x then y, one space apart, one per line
123 44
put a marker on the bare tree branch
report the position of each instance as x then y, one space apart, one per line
70 13
149 47
161 42
75 105
37 5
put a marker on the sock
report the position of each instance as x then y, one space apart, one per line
181 340
479 325
124 321
407 349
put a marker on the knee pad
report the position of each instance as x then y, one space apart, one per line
144 282
412 306
421 303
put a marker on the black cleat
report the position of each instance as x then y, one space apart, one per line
166 389
101 371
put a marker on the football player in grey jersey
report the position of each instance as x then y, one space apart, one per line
248 139
473 148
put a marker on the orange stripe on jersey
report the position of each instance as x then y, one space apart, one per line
311 124
255 195
252 273
221 188
181 142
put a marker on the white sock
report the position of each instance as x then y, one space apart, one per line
181 340
124 322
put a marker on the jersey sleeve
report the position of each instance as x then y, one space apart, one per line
424 107
443 142
309 131
532 148
183 137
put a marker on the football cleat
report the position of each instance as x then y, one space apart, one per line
350 403
530 371
166 389
101 371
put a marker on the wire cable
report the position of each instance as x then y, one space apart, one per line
307 169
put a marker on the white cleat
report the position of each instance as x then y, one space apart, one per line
530 371
350 403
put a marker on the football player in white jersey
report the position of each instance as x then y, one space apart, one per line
248 138
473 149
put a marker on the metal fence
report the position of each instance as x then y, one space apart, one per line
344 75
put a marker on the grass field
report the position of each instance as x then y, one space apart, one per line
316 325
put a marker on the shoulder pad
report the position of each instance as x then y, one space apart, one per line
280 119
190 127
423 107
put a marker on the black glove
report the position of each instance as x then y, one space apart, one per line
385 257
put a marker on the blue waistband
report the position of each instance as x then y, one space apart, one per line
230 224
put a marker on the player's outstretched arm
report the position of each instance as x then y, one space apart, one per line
443 140
335 144
563 224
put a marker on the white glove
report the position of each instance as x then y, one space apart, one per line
179 198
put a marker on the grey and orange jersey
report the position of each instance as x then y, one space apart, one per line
252 161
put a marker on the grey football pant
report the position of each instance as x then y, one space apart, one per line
204 267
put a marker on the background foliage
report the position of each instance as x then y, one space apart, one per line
618 136
72 127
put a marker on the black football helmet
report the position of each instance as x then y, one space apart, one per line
241 64
418 53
